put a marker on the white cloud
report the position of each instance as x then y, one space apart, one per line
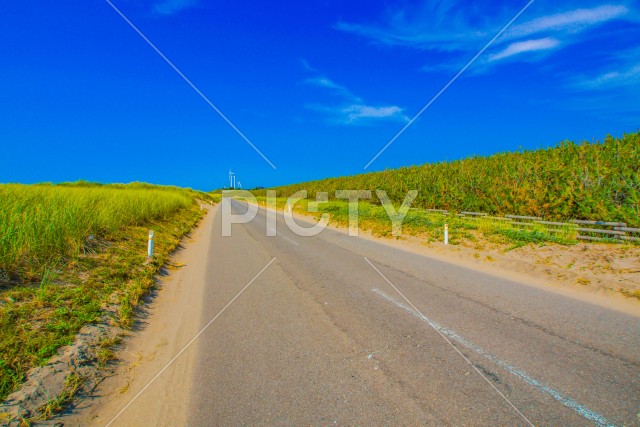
169 7
439 26
517 48
360 114
354 110
357 112
306 66
450 27
571 21
324 82
411 35
628 76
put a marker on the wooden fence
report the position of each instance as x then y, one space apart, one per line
585 230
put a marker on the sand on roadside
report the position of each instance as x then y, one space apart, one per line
164 326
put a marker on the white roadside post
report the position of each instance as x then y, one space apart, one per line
446 234
150 245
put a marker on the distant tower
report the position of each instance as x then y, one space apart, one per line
232 179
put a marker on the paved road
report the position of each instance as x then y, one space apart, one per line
322 338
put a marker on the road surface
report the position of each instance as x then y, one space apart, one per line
322 336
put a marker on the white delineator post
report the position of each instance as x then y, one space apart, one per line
150 246
446 234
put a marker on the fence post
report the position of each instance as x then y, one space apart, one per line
150 246
446 234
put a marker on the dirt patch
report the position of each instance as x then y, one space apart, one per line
163 326
46 384
600 267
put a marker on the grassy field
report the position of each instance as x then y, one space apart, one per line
430 226
69 251
594 181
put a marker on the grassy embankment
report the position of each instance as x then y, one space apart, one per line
593 181
430 226
69 251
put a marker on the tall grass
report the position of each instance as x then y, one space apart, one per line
595 181
42 225
44 241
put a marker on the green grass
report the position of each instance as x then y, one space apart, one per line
521 237
430 225
54 280
591 180
43 225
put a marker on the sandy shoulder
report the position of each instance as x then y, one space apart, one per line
167 323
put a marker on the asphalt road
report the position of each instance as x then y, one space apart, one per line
321 337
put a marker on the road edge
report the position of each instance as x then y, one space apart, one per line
75 368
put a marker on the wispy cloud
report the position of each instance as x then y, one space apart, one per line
517 48
306 66
330 84
359 114
609 79
356 112
572 21
447 27
610 91
170 7
350 109
412 32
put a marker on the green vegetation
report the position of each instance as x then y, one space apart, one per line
54 278
594 181
43 225
430 225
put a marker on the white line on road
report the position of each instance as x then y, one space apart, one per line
456 349
273 230
565 400
189 343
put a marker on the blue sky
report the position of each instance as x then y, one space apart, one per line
318 87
